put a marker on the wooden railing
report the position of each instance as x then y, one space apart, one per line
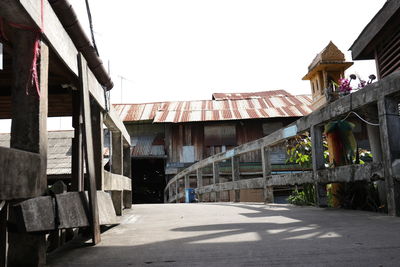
379 99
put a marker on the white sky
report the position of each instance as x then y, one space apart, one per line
188 49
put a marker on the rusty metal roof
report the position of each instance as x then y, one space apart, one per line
247 107
263 94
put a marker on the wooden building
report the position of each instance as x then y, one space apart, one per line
49 68
169 136
380 40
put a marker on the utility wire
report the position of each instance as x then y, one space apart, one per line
91 26
367 122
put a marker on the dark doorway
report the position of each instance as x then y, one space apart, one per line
148 180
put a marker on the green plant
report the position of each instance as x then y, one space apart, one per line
304 197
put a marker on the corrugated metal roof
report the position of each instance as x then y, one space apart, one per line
222 96
270 104
144 146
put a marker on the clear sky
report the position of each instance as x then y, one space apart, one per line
188 49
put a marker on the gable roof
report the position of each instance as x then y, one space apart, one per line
230 107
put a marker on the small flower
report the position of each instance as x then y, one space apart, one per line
344 85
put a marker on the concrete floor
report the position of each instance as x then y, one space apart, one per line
242 234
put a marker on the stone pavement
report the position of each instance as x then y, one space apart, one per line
242 234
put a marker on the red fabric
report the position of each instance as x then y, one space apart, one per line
34 79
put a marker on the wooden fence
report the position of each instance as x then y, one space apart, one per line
379 100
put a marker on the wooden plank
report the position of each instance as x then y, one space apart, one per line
88 143
72 210
19 174
388 110
116 182
114 123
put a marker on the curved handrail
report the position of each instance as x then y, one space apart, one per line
371 94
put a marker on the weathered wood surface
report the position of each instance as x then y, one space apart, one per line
3 233
98 136
116 153
340 107
318 163
28 12
116 182
389 120
77 182
38 214
114 123
88 145
72 210
19 174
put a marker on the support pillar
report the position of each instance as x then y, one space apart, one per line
266 168
199 176
235 161
98 143
216 179
318 163
117 200
389 121
116 153
29 133
77 181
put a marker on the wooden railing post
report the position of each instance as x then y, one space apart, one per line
98 136
389 121
318 163
176 191
199 176
235 161
116 153
127 172
266 169
216 179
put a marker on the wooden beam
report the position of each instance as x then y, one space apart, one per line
115 124
127 168
116 182
89 154
388 110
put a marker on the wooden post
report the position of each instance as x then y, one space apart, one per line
235 161
3 233
89 154
176 191
29 133
376 150
77 182
266 168
116 153
98 142
187 185
116 196
389 121
199 176
127 168
318 163
216 179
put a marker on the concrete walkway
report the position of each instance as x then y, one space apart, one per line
226 234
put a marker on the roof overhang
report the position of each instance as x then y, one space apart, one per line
386 20
327 65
